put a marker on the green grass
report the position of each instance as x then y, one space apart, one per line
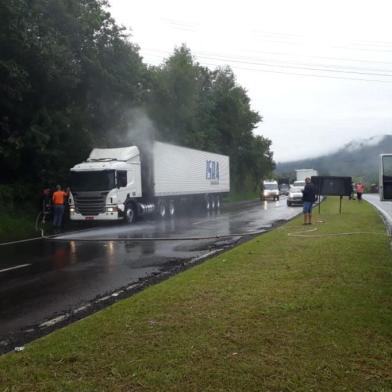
17 225
278 313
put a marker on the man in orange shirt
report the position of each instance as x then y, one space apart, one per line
58 200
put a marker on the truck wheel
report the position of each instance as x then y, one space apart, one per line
288 204
130 214
172 208
277 198
162 209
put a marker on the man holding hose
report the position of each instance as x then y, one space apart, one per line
58 201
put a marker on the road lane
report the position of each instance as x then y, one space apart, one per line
385 207
60 276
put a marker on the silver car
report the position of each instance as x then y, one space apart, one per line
295 196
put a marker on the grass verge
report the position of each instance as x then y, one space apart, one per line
278 313
17 225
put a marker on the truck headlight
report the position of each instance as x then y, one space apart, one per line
72 210
111 209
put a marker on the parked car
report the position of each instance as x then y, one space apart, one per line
295 196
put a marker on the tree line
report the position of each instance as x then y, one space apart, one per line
71 79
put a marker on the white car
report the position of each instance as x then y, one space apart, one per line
295 196
270 191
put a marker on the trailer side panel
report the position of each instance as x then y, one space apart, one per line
185 171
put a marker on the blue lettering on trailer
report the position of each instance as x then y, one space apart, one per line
212 170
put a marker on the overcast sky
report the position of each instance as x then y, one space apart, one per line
318 72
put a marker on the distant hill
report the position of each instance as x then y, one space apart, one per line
358 159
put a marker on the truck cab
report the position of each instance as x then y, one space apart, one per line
101 186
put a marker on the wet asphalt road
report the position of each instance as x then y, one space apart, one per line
385 207
43 279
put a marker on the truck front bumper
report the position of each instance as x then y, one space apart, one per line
104 216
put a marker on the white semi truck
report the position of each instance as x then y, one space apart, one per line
123 183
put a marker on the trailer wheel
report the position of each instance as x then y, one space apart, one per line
172 208
212 201
130 214
162 209
207 203
218 202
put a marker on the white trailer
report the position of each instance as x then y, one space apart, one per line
301 174
123 183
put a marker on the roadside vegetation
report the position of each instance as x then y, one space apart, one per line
278 313
17 213
72 79
241 196
19 225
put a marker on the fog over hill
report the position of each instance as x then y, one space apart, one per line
358 159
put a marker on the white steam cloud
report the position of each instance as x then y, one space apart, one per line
141 130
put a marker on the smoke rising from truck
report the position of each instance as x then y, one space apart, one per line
141 129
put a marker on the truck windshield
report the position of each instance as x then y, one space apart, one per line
86 181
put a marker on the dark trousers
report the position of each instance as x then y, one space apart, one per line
58 212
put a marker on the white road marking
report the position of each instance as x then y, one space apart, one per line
84 307
117 293
14 268
198 222
102 299
54 321
20 241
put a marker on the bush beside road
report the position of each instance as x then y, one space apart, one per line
277 313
